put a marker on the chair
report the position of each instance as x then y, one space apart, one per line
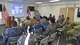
1 40
13 40
44 41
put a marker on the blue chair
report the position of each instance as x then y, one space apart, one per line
12 34
13 40
1 40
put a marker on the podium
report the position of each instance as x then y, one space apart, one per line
8 22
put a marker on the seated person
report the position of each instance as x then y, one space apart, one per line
66 22
58 22
43 20
45 27
27 21
50 29
33 21
37 26
12 32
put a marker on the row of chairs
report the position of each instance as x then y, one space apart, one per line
10 36
41 37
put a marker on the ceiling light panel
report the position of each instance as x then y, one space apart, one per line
39 2
54 0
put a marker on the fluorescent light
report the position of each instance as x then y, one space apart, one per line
38 2
10 0
54 0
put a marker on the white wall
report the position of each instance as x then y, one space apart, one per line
46 9
53 9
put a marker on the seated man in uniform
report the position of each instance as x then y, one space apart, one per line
66 22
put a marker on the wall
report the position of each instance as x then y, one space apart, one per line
53 9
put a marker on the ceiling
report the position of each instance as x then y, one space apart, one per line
34 1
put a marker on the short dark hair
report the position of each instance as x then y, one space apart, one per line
14 23
50 14
28 18
68 18
62 15
41 17
45 17
34 17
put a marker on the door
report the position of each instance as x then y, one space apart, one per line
71 14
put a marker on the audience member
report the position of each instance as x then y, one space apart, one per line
43 20
27 21
50 28
37 25
50 16
65 22
33 21
52 19
14 24
45 26
63 18
58 22
41 17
